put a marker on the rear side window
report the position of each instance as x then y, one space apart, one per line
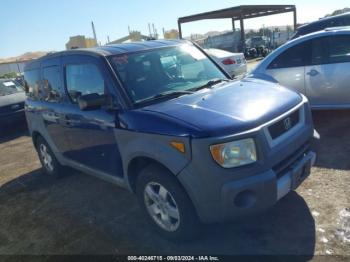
31 83
51 84
339 49
83 79
293 57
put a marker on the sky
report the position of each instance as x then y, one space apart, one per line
46 25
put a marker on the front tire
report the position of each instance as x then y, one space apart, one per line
48 160
166 204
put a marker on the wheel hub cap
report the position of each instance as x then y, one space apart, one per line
46 157
161 206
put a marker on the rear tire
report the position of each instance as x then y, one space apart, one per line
166 204
47 158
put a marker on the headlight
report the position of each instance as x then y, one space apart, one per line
236 153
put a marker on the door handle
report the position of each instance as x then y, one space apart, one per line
66 120
313 72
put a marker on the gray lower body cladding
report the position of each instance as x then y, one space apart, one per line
220 194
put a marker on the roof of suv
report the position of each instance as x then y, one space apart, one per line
326 31
108 50
324 19
117 49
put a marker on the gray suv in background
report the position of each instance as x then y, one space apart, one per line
327 22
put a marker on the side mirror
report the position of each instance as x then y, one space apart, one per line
93 101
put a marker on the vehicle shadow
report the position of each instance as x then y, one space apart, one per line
334 129
80 214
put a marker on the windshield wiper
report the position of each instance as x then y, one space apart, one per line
167 94
210 83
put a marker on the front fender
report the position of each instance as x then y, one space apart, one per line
157 147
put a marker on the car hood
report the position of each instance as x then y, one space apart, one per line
231 107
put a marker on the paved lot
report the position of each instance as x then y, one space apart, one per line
80 214
251 64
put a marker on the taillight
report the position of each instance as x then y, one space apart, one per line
229 61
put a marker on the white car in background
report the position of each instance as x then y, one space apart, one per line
234 63
316 65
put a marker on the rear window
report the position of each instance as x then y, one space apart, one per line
31 83
8 87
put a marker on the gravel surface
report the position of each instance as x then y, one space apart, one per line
79 214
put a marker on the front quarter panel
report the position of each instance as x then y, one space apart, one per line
153 146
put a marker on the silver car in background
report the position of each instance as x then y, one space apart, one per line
316 65
234 63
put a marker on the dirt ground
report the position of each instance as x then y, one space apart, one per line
80 214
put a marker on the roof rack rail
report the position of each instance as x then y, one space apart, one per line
336 28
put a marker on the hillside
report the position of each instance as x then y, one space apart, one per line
23 57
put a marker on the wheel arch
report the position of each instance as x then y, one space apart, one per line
35 136
136 165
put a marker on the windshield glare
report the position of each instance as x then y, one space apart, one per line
180 68
8 87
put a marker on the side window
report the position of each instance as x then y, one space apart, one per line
319 51
346 20
339 49
51 84
83 79
31 83
293 57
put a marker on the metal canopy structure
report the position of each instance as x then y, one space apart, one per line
239 13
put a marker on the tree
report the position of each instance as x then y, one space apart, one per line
171 34
339 11
9 75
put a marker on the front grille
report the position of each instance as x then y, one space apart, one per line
282 126
286 164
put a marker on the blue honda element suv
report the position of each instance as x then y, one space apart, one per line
163 120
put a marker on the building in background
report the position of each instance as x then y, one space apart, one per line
80 41
16 64
227 40
134 36
171 34
280 36
12 67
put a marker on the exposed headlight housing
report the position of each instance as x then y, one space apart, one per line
234 154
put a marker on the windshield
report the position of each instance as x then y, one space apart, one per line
164 71
8 87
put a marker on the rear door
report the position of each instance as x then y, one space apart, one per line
288 68
90 133
327 77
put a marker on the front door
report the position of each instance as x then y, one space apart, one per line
288 68
327 78
90 133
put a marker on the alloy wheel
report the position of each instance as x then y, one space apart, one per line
161 206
